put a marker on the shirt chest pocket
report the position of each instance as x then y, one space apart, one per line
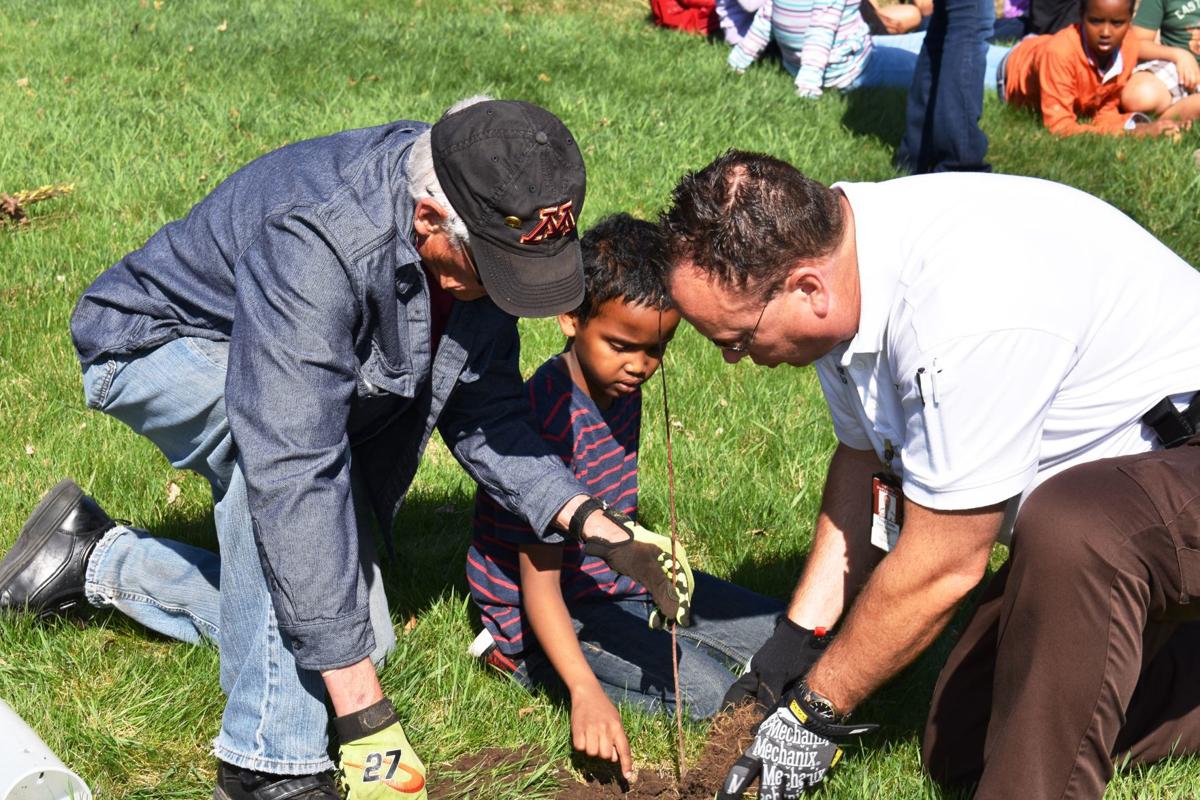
378 379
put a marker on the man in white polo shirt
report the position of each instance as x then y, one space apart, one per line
966 366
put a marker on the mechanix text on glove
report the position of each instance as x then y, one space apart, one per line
793 751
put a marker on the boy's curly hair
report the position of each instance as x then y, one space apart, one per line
623 259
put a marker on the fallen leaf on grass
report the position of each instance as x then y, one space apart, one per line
173 492
543 77
224 26
28 449
412 623
526 711
23 83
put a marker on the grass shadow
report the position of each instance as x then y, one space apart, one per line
876 114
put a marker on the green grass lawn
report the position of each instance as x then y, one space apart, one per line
146 106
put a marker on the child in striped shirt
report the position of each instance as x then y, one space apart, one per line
826 44
561 620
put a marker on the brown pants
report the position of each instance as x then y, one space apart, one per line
1086 645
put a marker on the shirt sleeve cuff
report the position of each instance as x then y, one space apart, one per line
541 506
332 643
960 499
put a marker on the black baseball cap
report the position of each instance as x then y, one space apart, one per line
515 176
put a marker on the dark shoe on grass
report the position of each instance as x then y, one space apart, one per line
44 571
243 784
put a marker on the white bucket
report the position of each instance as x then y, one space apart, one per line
28 770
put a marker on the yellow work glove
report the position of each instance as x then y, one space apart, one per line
646 557
377 761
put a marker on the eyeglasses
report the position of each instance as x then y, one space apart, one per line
744 345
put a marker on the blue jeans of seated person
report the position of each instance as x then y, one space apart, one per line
893 61
633 662
945 101
275 717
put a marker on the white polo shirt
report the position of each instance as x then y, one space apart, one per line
991 355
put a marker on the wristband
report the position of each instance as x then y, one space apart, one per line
585 510
365 722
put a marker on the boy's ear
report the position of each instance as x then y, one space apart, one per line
568 324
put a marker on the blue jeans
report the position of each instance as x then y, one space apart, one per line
275 716
945 101
893 62
633 662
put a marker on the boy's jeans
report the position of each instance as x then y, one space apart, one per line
275 717
633 662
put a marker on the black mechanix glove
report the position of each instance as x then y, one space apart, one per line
781 661
793 750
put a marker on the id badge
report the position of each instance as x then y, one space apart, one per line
887 511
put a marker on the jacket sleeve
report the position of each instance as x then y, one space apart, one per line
1059 91
488 427
288 391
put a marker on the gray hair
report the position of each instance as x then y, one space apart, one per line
423 182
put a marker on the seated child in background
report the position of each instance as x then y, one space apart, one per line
826 44
540 602
1170 74
1080 71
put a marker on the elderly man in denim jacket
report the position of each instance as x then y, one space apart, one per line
295 339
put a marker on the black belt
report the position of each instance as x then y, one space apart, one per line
1172 426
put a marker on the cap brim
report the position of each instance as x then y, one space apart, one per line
531 286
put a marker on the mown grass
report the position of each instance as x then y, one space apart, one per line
146 108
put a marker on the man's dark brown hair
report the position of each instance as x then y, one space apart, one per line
747 218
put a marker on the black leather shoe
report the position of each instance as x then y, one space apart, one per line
243 784
44 571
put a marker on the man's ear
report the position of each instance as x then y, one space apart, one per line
568 324
428 217
810 280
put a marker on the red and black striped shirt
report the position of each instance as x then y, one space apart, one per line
601 448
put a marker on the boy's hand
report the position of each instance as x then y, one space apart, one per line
596 728
1188 69
376 759
1162 127
644 556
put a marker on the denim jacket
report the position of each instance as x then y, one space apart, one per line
302 261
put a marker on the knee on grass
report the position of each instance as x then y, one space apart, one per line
1145 93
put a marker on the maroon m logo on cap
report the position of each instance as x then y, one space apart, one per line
556 220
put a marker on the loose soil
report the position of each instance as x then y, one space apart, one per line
728 737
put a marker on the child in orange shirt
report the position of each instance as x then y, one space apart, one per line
1080 72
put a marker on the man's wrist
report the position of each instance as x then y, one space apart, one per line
352 688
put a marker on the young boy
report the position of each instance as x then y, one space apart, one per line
1080 71
563 620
